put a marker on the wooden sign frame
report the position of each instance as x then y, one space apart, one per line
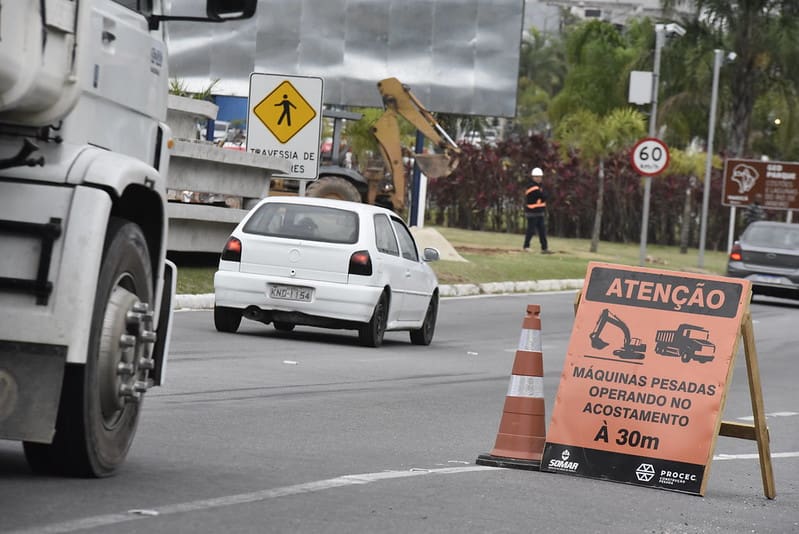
623 411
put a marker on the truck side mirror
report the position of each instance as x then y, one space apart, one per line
223 10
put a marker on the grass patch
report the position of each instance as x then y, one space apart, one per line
195 280
497 257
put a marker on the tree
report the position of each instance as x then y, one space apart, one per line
690 165
599 58
762 34
596 138
542 68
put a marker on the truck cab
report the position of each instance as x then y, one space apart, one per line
85 287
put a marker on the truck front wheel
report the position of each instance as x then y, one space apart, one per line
100 401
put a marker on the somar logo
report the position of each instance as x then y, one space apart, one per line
645 472
563 464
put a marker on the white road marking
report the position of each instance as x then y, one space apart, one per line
298 489
755 456
242 498
772 414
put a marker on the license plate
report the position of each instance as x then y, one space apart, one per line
303 294
767 279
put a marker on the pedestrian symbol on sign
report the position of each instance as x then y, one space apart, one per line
286 105
284 112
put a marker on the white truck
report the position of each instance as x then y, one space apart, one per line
85 287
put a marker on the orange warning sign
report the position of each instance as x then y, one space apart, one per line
644 382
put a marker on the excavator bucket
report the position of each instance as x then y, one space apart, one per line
436 165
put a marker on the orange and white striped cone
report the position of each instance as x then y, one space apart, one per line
522 430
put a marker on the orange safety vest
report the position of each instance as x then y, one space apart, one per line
536 202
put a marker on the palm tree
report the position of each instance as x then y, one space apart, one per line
597 138
599 57
542 69
692 165
762 34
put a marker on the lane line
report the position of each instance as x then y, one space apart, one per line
755 456
242 498
107 520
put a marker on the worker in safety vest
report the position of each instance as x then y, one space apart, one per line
535 210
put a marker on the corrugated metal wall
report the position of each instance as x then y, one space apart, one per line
458 56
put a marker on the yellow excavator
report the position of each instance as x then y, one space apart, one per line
398 100
386 186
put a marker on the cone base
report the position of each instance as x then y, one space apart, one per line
514 463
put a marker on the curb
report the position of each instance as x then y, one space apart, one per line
206 301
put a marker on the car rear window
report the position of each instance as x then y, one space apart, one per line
770 236
298 221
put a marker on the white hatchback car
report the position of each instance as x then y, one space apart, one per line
326 263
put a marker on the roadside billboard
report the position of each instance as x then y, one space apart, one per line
776 182
459 56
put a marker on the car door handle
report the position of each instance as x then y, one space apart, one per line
407 274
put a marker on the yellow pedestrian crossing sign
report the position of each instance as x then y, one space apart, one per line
284 111
284 121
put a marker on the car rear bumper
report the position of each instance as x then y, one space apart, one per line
344 302
765 283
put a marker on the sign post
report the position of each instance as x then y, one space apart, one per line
646 375
284 120
649 157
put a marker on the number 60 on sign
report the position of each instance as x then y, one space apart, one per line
650 156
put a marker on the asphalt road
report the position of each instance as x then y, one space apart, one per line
309 432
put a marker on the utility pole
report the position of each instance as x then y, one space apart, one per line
711 128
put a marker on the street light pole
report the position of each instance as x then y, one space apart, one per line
711 128
660 38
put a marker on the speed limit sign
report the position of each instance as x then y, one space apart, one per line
650 156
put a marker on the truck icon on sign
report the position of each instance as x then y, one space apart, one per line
689 342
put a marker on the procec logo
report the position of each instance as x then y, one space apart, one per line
645 472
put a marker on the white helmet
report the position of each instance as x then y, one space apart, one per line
537 172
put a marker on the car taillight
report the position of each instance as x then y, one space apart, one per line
361 263
232 250
736 254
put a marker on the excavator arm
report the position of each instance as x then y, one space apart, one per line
632 349
399 101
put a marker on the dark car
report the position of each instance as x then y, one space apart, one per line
767 254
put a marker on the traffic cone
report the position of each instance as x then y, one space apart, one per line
522 430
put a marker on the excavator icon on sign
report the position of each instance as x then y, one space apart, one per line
632 349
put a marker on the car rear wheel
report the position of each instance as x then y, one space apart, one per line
424 335
371 334
283 327
227 319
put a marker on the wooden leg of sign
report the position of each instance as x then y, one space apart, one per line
758 431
